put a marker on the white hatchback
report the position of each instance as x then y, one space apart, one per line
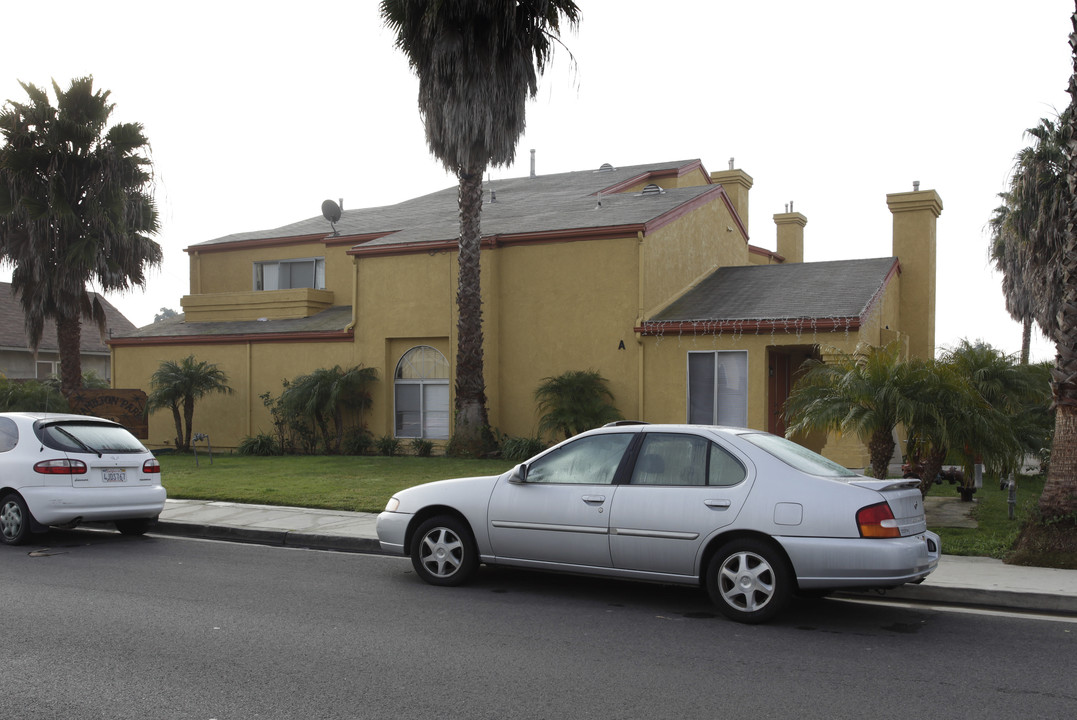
62 470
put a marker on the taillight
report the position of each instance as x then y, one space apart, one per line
877 521
151 466
60 467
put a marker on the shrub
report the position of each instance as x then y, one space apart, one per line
521 448
357 441
421 447
261 444
388 445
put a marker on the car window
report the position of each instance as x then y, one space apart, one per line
671 459
591 460
724 469
797 456
78 437
9 434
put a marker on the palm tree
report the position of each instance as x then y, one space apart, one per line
867 393
326 393
1011 255
477 62
575 401
75 208
177 385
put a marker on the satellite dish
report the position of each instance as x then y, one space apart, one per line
331 212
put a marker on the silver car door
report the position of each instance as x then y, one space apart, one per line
682 488
560 512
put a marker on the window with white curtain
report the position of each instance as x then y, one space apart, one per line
421 394
718 388
287 274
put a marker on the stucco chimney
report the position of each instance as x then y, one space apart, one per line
915 214
791 235
736 184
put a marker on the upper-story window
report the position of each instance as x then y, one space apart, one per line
286 274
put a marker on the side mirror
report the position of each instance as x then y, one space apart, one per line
518 474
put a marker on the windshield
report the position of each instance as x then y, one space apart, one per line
89 437
797 456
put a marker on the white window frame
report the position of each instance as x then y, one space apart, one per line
262 270
726 408
428 430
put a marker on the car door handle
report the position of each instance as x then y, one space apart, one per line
594 499
718 504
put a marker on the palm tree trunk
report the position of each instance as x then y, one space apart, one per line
1059 496
881 449
471 413
179 425
1026 339
188 421
69 343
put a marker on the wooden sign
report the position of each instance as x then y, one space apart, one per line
127 407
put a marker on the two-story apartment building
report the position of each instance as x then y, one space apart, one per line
643 273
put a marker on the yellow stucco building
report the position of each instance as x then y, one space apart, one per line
643 273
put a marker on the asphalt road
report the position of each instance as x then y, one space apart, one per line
98 625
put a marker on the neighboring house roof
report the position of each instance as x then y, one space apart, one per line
13 326
331 323
540 204
838 293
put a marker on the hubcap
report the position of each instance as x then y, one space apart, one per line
11 519
442 552
746 581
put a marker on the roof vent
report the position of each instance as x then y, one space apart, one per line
652 189
605 167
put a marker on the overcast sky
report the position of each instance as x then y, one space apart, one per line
259 111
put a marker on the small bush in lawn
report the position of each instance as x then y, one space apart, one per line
388 445
260 444
357 441
421 447
521 448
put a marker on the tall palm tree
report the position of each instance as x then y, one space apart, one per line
75 208
1011 255
325 394
478 62
867 392
176 385
575 401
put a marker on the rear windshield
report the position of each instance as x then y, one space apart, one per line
798 456
81 437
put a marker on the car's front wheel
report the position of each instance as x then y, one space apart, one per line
749 581
14 520
443 552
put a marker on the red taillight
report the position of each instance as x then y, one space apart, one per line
877 521
60 467
151 466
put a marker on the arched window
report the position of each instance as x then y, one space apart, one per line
421 394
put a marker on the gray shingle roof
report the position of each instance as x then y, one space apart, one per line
13 326
819 290
334 319
561 201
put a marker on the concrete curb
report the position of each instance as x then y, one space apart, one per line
281 538
976 597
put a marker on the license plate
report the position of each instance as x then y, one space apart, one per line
114 476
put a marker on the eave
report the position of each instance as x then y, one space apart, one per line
241 338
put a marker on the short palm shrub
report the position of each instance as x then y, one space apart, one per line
422 448
262 444
521 448
388 445
575 401
357 441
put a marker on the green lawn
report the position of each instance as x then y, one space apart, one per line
356 483
364 484
995 534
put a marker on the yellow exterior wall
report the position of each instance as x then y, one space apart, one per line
219 271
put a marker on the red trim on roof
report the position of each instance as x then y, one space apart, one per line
605 232
260 243
763 251
655 174
356 238
712 327
326 336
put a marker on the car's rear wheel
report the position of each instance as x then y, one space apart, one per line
749 581
14 520
135 526
443 552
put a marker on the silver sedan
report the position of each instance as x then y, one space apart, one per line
750 516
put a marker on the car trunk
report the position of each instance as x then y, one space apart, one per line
110 470
904 499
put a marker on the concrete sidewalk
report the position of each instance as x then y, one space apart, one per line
958 580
